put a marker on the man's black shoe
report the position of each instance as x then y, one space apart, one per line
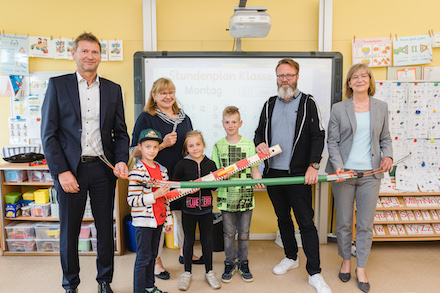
104 288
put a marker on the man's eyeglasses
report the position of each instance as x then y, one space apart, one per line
170 93
288 76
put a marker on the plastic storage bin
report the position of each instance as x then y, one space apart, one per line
20 230
84 245
47 176
93 230
94 242
12 197
85 231
25 211
21 245
47 230
40 210
28 195
36 176
15 175
41 196
48 245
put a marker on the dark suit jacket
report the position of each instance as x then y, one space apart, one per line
61 124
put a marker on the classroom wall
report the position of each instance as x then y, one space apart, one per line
200 25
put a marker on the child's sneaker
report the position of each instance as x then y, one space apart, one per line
212 280
243 269
229 272
185 281
154 290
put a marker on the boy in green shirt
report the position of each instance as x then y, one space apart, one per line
236 203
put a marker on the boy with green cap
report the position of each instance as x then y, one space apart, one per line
149 210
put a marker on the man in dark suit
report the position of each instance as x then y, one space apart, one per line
82 118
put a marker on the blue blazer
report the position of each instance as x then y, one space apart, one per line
61 124
342 127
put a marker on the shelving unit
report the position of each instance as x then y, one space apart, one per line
121 208
403 207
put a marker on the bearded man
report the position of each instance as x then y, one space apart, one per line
292 120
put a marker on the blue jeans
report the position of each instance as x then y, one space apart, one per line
236 222
147 241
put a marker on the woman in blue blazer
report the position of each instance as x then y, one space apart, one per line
358 140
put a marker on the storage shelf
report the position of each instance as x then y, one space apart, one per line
403 207
408 222
407 209
405 194
28 183
406 237
36 253
121 209
41 219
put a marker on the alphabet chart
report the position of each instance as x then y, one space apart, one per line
414 122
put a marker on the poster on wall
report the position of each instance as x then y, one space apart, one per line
60 49
41 47
375 52
104 50
15 55
116 50
18 131
412 50
436 40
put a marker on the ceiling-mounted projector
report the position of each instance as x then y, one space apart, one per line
249 22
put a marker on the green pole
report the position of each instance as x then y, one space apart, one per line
249 182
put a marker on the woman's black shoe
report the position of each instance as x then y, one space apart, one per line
345 277
165 275
199 261
363 286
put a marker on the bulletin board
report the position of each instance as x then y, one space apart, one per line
207 82
414 123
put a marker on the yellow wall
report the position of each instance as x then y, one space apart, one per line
200 25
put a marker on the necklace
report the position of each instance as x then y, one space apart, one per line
361 107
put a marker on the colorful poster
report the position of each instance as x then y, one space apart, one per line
116 50
15 55
42 47
5 85
412 50
60 49
20 87
373 52
69 48
436 40
104 50
17 131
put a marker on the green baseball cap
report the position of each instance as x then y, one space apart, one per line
150 134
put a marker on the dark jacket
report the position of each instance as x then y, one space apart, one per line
61 124
309 134
188 169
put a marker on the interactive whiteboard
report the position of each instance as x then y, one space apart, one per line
207 82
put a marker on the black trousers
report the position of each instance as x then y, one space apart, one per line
93 177
189 229
299 198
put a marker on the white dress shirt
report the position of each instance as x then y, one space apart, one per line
89 98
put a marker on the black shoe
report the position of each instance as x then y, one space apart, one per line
72 290
363 286
181 259
229 272
104 287
345 277
199 261
243 269
165 275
